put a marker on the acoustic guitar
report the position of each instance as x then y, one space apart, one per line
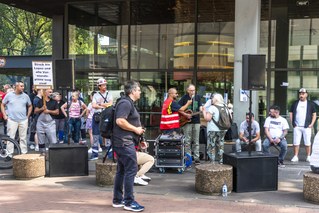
184 120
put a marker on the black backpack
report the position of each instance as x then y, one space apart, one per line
225 121
107 120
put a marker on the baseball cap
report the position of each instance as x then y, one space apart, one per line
101 81
303 90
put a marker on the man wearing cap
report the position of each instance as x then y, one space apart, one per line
303 116
101 100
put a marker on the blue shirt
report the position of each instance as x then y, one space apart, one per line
17 106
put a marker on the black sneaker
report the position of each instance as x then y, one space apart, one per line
134 206
197 162
281 164
8 158
118 204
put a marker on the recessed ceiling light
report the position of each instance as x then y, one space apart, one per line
302 3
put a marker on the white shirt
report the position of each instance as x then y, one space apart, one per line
276 126
301 113
98 99
211 126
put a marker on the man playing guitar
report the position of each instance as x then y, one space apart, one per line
170 112
192 127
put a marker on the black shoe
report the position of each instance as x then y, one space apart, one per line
8 158
281 164
197 162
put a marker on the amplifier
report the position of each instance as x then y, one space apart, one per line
169 162
169 155
171 138
68 160
169 143
174 151
254 172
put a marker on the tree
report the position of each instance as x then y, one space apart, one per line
24 33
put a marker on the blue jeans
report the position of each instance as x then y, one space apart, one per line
282 145
125 174
74 128
95 133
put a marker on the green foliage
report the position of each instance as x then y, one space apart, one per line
81 41
24 33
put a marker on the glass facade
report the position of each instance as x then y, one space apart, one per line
161 46
167 43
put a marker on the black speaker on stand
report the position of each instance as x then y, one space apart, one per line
254 70
64 74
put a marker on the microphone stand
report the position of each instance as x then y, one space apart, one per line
250 145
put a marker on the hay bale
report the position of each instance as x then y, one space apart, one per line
28 166
311 187
210 178
105 173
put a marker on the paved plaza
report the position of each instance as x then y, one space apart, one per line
167 192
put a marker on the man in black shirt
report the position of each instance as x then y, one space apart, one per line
126 132
46 128
192 127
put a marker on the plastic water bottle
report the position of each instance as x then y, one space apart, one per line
224 190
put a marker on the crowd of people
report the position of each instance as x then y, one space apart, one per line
52 120
302 115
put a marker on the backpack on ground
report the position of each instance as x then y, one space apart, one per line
232 133
225 121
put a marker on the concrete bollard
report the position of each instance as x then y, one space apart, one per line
105 173
210 178
28 166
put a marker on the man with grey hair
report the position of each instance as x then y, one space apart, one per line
16 108
191 127
126 134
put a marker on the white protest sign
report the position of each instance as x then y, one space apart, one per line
42 74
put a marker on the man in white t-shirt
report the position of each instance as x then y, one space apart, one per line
276 129
101 100
244 134
303 116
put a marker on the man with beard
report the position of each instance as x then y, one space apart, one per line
126 133
192 126
170 113
46 128
303 116
276 129
16 114
101 100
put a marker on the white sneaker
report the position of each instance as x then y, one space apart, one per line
36 148
100 149
90 150
295 159
140 181
308 159
145 178
32 146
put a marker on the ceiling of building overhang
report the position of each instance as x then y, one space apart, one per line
165 11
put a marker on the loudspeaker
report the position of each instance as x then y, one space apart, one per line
253 77
68 160
64 74
254 172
